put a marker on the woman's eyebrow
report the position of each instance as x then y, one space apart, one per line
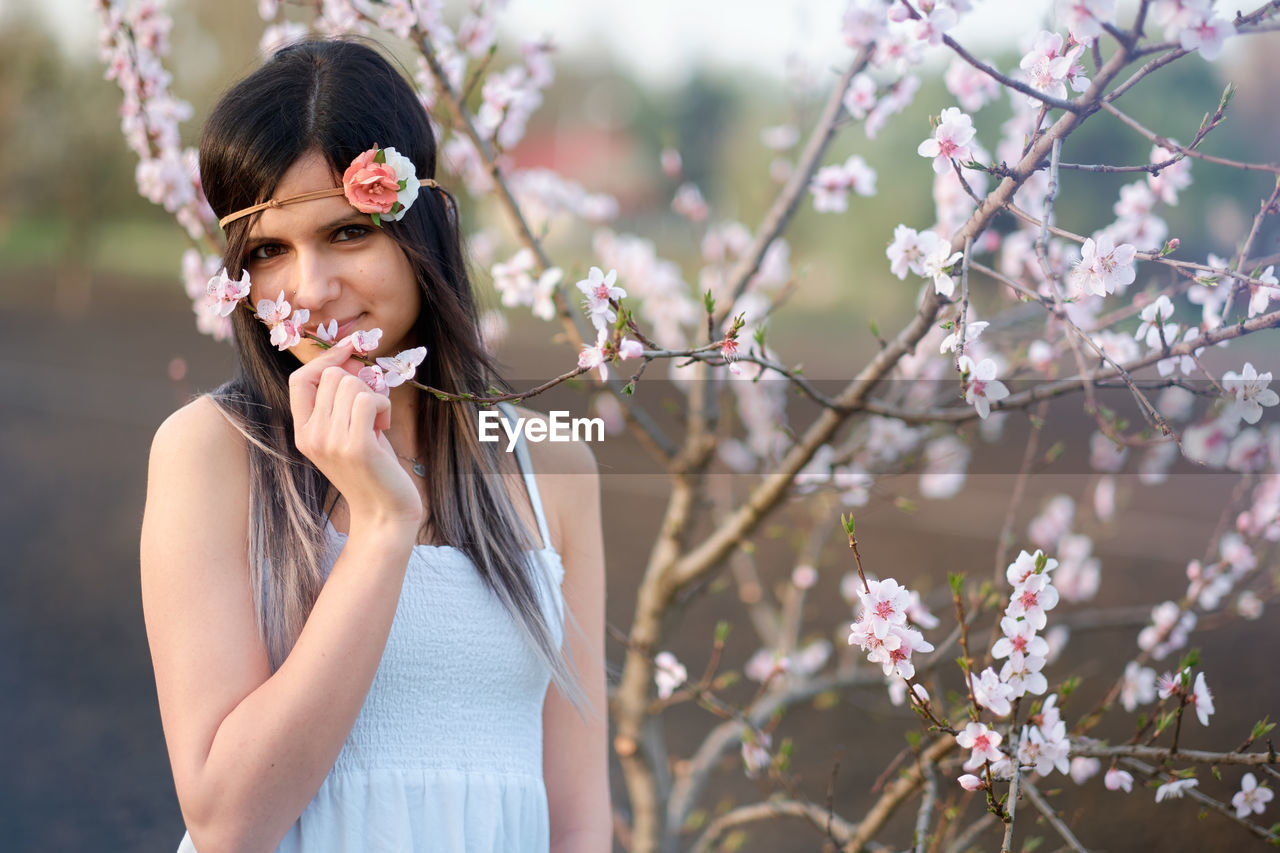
353 218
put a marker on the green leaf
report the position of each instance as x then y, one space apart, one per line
722 630
847 523
377 220
709 301
400 185
381 156
1261 728
956 580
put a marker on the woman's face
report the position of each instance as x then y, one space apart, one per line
332 260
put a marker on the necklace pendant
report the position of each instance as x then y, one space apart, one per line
419 469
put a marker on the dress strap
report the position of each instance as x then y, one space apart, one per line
530 483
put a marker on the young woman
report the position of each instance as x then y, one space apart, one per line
370 630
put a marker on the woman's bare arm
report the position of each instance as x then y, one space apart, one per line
249 749
575 750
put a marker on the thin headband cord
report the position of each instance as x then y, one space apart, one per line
311 196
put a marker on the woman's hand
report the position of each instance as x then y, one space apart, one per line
338 424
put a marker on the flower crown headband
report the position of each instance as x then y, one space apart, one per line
381 182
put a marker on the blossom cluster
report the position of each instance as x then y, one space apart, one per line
882 630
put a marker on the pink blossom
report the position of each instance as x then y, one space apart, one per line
1046 747
898 692
1103 267
1206 32
1049 68
831 184
401 367
1053 522
668 674
1018 636
1252 798
1105 454
372 376
950 140
327 333
1249 605
1210 443
226 292
860 97
1172 178
972 331
670 162
1202 699
1118 780
1174 789
273 311
1261 295
804 576
946 461
689 203
884 605
1083 769
364 341
288 333
864 20
599 290
1021 674
1251 392
981 386
983 742
594 356
1026 566
895 657
971 783
991 693
970 86
780 137
1138 686
1168 631
812 657
1153 316
935 23
936 261
755 753
630 348
1084 18
905 252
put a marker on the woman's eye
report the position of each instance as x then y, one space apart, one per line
350 232
265 252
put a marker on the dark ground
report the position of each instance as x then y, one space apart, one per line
86 764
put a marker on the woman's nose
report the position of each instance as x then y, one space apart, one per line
315 281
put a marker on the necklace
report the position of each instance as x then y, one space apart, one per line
418 467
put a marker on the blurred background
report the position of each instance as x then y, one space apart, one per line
98 345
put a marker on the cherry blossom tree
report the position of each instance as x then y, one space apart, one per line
1083 314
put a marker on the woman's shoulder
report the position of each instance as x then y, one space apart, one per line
199 439
568 483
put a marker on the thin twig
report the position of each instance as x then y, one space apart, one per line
1033 793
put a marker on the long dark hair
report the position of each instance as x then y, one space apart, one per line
340 98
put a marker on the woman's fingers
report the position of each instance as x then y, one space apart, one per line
304 382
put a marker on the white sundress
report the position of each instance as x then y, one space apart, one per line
446 754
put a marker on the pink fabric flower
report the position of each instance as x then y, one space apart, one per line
371 187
